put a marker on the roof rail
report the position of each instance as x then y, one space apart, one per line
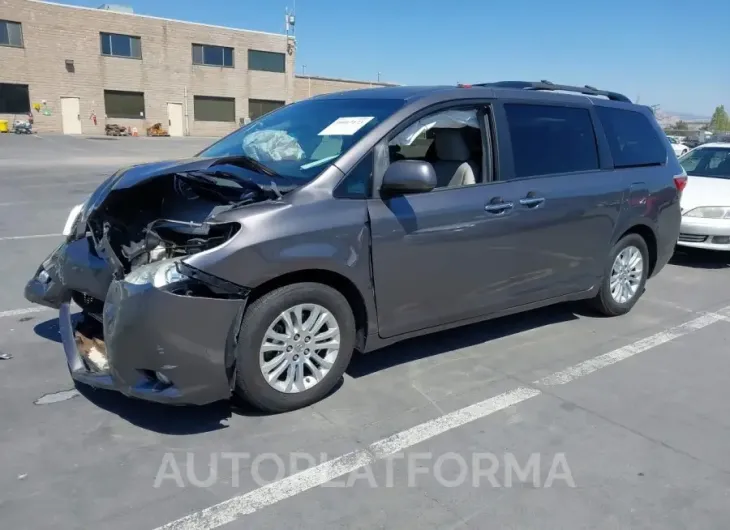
547 85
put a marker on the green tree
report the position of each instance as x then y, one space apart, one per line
720 120
681 126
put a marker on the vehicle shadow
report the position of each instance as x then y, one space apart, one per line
159 418
188 420
700 259
48 330
463 337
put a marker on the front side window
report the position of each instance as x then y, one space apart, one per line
116 45
449 140
707 162
357 183
549 140
266 61
633 140
11 34
208 55
300 140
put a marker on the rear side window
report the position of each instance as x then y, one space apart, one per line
547 140
633 140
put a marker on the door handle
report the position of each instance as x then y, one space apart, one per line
498 207
531 202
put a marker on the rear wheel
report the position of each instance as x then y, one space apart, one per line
625 276
295 344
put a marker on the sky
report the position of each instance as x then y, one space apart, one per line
645 49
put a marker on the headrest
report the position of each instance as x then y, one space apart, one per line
450 145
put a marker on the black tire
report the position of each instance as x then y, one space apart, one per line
250 382
604 302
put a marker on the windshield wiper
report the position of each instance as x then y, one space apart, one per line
250 163
200 177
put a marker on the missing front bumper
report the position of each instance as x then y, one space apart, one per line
155 345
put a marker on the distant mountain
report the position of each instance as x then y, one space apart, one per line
669 118
685 116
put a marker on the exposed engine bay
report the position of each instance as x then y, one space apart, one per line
172 215
168 216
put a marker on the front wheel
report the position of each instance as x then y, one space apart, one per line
295 344
624 278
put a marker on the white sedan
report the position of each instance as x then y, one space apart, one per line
705 201
679 148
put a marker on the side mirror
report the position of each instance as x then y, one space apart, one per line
408 176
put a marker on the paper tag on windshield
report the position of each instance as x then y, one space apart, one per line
345 126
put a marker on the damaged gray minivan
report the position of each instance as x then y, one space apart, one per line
352 221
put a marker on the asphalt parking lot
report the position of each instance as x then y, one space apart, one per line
553 419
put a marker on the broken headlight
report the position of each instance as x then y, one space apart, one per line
174 276
73 218
159 274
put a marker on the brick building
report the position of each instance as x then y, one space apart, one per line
72 64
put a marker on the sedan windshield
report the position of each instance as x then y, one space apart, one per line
299 141
707 162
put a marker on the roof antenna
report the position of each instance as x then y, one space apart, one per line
290 19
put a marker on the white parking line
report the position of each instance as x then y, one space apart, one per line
25 311
35 236
248 503
591 365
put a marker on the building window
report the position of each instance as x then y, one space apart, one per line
266 61
209 108
117 45
14 99
208 55
11 34
120 104
259 107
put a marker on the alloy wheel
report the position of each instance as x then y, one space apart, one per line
299 348
626 274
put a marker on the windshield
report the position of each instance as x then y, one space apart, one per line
672 140
707 162
299 141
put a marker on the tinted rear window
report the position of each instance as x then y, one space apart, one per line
547 139
633 139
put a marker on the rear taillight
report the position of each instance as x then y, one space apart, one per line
680 182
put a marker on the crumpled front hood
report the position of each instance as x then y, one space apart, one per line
131 176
